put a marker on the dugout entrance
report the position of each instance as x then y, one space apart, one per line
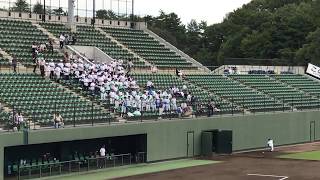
39 160
216 141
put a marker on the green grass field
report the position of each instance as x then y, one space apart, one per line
133 170
313 155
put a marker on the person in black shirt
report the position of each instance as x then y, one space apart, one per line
14 64
35 62
50 46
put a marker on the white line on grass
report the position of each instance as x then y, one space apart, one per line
266 175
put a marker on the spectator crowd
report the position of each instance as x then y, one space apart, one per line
113 84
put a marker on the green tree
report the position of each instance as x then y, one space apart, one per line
169 27
38 8
59 12
264 29
106 14
310 52
21 6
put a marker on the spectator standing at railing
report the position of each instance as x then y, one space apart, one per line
19 120
102 157
58 120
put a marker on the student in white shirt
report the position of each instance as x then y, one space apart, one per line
52 66
103 93
57 72
92 87
66 72
42 63
102 152
47 70
174 103
149 85
124 107
85 83
166 104
62 39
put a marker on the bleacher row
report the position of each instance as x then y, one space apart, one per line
88 36
38 99
16 38
136 40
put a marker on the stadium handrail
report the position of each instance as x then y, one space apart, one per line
79 54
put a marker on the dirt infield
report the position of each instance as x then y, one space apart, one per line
258 165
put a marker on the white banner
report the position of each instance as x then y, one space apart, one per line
313 70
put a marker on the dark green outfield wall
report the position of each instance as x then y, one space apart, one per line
168 139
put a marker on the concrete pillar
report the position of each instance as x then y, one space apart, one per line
1 163
71 15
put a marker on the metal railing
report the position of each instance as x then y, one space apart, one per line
230 106
84 165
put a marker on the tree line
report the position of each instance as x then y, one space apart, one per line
24 6
286 31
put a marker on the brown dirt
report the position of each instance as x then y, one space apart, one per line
238 166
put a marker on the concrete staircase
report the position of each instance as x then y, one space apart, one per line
56 42
122 46
46 32
179 52
67 89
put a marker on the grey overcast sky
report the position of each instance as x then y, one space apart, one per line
212 11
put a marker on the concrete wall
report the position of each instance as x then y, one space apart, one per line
64 19
168 139
93 53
